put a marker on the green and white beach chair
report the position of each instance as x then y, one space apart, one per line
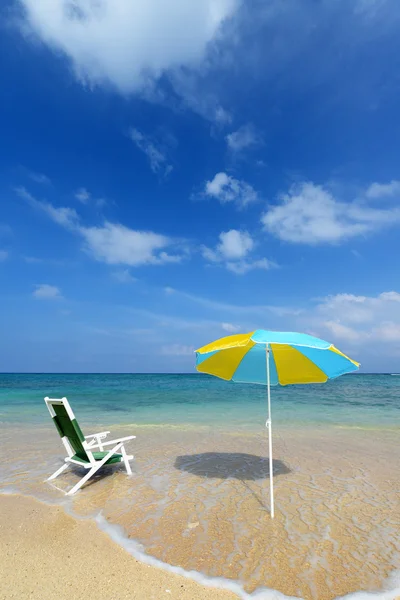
81 448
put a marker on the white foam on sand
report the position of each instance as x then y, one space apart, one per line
389 591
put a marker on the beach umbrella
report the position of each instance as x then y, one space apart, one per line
269 358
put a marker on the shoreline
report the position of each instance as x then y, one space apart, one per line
48 553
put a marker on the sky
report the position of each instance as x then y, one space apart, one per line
171 173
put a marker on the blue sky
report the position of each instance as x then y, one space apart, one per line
169 175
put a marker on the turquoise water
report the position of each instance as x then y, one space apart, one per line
365 401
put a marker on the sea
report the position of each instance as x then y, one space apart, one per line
198 499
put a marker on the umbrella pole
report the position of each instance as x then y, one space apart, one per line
269 426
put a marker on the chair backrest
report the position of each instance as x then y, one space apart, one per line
67 426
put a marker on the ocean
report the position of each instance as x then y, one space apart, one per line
198 497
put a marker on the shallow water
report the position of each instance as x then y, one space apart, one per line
199 495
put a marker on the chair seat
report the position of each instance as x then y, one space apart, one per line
115 458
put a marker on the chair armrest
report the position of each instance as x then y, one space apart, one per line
120 440
101 435
110 452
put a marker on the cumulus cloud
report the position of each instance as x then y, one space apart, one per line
235 244
344 332
310 214
45 291
357 319
383 190
127 44
226 189
155 155
244 137
112 243
233 250
116 244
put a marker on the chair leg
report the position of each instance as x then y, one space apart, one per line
126 461
83 480
58 472
94 469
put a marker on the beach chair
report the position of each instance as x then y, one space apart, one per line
81 448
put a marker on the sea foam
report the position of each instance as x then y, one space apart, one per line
390 589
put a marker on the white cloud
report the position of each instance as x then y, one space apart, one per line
382 190
388 331
222 116
230 328
157 158
116 244
389 296
233 249
124 43
67 217
39 177
357 309
309 214
164 257
3 255
235 244
228 189
83 195
124 276
195 90
242 267
344 332
358 319
47 292
177 350
244 137
112 243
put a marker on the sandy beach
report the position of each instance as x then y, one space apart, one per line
197 503
335 531
47 554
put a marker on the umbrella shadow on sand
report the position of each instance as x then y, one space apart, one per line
232 465
229 465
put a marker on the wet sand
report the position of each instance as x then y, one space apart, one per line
199 500
47 554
